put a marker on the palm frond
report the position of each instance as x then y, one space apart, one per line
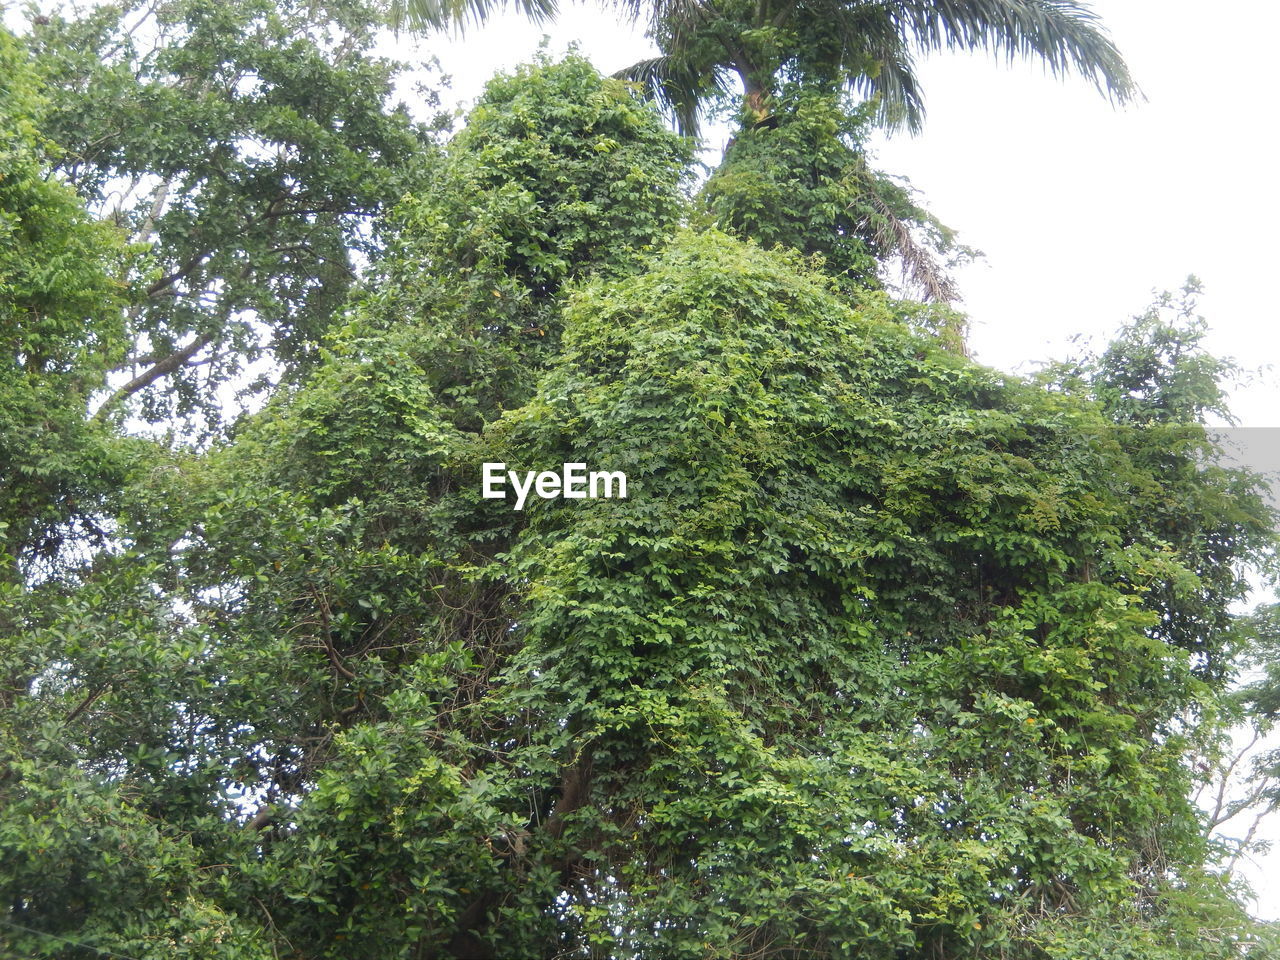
921 269
897 91
1066 34
666 12
893 220
879 63
678 86
422 15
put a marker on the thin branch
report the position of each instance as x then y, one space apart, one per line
1217 817
158 199
86 703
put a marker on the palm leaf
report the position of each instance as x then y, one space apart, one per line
678 86
1066 34
667 12
457 14
877 61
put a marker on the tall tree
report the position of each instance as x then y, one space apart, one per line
885 654
797 164
163 699
86 866
804 181
875 657
560 176
784 52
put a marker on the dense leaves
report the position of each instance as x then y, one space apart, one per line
886 654
868 603
802 181
78 854
559 174
250 144
61 293
865 662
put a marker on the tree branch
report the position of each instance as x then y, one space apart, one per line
168 365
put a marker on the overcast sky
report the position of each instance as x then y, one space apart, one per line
1082 210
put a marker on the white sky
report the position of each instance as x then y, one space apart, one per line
1082 210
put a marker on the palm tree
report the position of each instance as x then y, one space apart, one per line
867 46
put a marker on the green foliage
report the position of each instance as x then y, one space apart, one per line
1158 383
867 662
1253 773
250 143
61 326
1264 691
795 172
1156 370
105 835
801 180
886 654
81 859
867 603
557 175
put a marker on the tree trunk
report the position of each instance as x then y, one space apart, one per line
757 100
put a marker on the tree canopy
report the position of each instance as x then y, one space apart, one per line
885 654
250 145
62 292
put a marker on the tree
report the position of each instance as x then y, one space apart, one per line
559 175
872 659
156 725
864 46
799 144
80 853
1240 787
1159 384
886 653
250 161
250 144
785 54
804 182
